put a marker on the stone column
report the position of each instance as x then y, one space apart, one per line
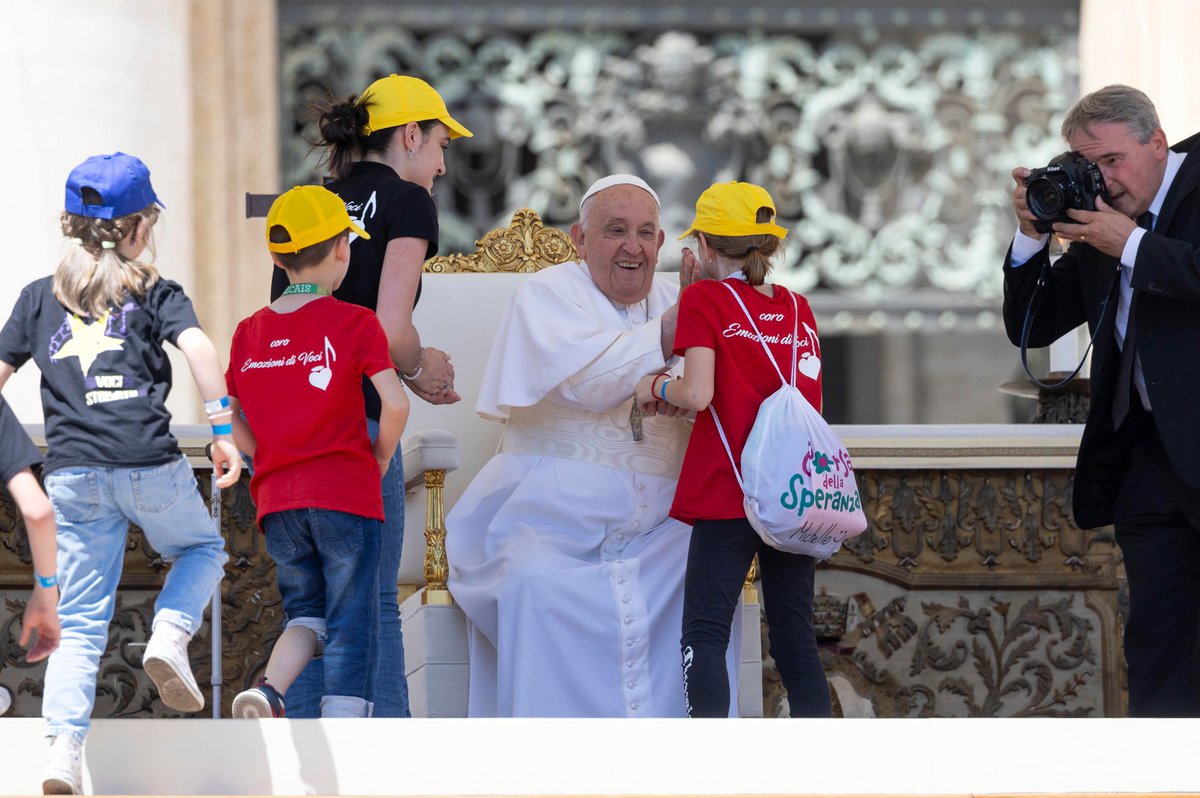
235 149
1150 45
188 86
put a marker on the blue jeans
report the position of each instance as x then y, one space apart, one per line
327 566
93 507
390 693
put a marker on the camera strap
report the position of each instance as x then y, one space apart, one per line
1029 311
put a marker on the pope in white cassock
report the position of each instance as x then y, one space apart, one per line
561 552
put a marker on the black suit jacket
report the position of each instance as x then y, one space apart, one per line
1080 287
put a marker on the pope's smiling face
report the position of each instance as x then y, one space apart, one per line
618 237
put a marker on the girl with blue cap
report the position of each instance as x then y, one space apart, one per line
96 330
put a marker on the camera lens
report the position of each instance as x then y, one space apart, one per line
1045 199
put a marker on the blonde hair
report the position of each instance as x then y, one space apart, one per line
755 252
91 278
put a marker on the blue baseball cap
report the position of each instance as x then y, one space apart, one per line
122 181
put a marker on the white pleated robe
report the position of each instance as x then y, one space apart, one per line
561 553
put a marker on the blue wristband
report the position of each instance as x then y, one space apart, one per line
45 581
222 429
662 389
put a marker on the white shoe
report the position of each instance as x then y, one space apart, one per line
62 775
166 663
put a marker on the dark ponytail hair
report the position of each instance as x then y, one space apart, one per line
754 252
341 124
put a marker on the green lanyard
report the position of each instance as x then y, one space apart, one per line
305 288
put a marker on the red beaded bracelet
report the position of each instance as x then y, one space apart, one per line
654 384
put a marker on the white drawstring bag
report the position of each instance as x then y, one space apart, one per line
801 495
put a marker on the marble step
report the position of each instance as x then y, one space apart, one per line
742 757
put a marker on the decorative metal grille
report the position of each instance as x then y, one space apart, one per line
886 144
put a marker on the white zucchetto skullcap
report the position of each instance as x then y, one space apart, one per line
617 180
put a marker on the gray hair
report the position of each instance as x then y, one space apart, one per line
1118 104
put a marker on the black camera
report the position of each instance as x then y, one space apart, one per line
1068 181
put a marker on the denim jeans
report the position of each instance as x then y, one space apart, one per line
93 507
390 692
327 566
718 558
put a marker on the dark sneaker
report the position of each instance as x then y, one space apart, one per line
260 701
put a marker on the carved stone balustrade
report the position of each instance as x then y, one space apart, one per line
972 593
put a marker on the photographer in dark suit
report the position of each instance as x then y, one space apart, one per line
1132 272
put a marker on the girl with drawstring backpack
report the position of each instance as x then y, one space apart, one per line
726 368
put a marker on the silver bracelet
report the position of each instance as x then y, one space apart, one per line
417 371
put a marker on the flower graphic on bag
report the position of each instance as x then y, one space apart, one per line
821 462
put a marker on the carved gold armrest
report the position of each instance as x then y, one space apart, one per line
749 591
526 245
428 456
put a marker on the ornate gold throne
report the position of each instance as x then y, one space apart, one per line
462 298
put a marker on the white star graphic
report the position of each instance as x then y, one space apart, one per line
87 341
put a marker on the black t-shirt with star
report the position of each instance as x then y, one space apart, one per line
104 383
387 207
17 452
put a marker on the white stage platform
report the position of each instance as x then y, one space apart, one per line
619 757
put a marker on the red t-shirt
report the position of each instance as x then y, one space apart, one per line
709 317
299 379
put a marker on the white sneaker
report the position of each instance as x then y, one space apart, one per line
62 775
166 662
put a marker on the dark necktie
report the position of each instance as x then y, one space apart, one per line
1123 395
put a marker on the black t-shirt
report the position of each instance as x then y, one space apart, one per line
17 452
104 384
388 207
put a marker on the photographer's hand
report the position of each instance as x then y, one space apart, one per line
1105 228
1025 217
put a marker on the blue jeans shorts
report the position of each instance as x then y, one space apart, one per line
327 567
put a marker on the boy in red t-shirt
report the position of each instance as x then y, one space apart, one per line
295 371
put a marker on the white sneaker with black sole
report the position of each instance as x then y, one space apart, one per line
166 663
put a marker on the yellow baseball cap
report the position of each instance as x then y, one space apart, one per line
730 209
400 99
310 214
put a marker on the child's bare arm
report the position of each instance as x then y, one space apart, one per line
41 614
692 391
205 364
243 436
393 415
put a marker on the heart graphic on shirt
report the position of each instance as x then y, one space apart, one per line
810 365
320 376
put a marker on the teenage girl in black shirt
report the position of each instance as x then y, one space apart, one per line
384 149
